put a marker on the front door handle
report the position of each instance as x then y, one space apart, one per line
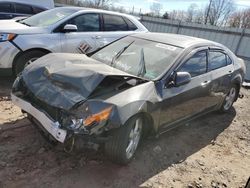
230 73
205 82
97 37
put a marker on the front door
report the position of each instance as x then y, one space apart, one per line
84 40
185 101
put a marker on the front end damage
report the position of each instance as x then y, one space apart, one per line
69 107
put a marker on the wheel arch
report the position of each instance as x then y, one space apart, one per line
148 121
237 81
23 52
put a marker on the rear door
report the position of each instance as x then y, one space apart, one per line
221 68
114 27
185 101
6 10
83 40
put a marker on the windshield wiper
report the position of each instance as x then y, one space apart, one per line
142 71
119 54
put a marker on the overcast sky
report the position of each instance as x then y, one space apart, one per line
169 5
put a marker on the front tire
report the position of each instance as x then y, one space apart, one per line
124 141
27 58
230 99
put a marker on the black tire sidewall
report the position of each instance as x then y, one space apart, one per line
24 58
119 142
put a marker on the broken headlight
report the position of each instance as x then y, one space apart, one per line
91 119
98 117
76 123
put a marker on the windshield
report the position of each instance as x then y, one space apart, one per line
139 57
48 17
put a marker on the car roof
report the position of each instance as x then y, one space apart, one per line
181 41
83 9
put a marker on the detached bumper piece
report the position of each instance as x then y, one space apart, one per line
52 127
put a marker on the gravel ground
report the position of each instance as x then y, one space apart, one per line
213 151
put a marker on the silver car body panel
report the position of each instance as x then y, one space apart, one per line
7 54
45 38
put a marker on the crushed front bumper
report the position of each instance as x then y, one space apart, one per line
52 127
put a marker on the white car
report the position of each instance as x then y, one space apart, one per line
64 29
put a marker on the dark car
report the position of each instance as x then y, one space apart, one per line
142 84
9 10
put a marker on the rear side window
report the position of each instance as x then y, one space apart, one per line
23 9
86 22
196 65
114 23
217 60
131 26
5 7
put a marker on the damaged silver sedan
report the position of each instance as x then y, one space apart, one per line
139 85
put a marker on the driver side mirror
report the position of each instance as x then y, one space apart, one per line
179 79
69 28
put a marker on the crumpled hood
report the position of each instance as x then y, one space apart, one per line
11 26
63 80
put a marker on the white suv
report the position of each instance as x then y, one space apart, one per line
65 29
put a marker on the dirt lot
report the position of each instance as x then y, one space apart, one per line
213 151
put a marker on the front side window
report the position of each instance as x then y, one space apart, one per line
86 22
139 57
196 65
5 7
217 60
114 23
23 9
48 17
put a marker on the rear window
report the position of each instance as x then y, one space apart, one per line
114 23
217 60
23 9
5 7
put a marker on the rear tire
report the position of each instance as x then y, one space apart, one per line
124 141
230 98
27 58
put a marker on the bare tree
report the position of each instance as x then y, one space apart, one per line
177 15
199 17
102 3
156 8
240 19
219 11
191 12
106 4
